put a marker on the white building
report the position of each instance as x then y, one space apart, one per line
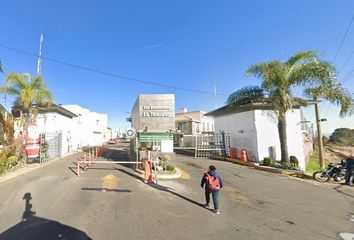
55 121
192 123
253 127
76 126
90 127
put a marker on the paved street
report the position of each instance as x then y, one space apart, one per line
53 201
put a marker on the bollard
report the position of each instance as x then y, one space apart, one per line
85 161
90 158
78 168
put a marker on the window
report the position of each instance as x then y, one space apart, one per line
182 126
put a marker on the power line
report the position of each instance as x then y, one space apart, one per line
110 74
348 76
344 37
346 62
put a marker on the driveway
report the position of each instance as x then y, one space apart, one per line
110 201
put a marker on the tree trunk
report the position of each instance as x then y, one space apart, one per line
283 138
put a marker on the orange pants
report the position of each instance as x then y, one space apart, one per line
148 171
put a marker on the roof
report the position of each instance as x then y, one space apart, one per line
46 109
184 118
263 105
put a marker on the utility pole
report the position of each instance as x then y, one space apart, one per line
319 134
39 65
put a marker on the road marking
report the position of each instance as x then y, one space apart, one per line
347 236
185 175
109 182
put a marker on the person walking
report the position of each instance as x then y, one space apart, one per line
212 183
349 166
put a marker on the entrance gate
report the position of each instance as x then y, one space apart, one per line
211 145
90 158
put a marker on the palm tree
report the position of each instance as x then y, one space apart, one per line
27 91
1 70
304 69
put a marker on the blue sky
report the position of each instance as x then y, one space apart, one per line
188 44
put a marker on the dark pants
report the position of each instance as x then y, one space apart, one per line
215 195
349 176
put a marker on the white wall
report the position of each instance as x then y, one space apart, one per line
257 130
208 123
54 122
242 130
91 127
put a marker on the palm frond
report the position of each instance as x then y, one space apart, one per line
310 74
301 56
256 69
274 76
246 95
8 90
334 93
17 80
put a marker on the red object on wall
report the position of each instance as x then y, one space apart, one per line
32 150
233 153
243 154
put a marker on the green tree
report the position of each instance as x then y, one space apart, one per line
27 92
343 136
1 70
305 70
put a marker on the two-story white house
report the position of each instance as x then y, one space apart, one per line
91 127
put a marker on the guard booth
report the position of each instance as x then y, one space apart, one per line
157 142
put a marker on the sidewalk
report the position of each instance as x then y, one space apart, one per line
27 168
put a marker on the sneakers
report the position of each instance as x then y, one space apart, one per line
216 211
207 205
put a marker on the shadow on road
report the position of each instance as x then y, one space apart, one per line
339 189
37 228
163 188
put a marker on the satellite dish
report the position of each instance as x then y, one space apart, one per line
130 132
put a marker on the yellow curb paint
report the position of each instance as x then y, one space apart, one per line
185 175
110 182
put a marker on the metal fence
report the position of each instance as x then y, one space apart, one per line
211 145
52 146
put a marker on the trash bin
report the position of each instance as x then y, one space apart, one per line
233 153
243 154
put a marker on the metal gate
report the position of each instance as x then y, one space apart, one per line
51 147
211 145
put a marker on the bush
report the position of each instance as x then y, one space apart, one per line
7 158
10 162
170 168
294 162
267 161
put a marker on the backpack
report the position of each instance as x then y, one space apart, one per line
213 182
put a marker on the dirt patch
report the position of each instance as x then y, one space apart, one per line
336 153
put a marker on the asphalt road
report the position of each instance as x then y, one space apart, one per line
110 201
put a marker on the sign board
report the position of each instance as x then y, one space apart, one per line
130 133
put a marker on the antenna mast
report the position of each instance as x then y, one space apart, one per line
39 66
215 105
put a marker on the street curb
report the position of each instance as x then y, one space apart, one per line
237 161
30 168
262 168
175 175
